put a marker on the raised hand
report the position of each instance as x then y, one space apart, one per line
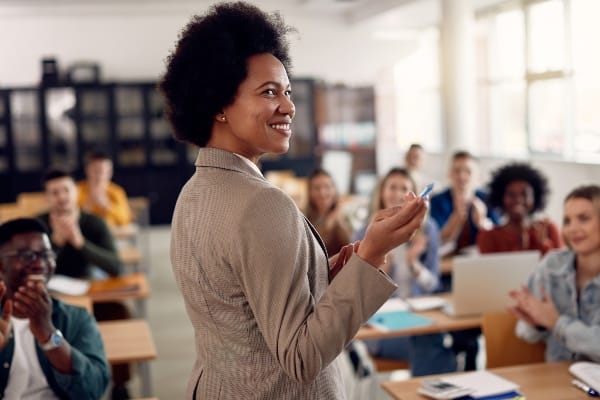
5 320
391 227
337 262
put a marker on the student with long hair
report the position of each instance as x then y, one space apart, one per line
561 304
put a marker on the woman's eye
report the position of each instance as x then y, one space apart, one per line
270 92
288 93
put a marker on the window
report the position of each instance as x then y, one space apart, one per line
418 116
537 81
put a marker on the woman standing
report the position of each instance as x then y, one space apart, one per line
324 212
520 191
414 266
268 317
562 303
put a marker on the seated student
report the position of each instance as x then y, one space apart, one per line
324 213
520 191
81 240
98 195
85 249
414 160
49 349
414 266
461 213
561 304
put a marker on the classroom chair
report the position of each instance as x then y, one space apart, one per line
503 347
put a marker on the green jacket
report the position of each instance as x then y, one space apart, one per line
98 249
90 375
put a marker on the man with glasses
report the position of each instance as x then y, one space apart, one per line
48 349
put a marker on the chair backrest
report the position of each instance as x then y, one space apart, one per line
503 347
10 211
79 301
33 203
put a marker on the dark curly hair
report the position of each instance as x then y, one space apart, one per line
210 61
518 172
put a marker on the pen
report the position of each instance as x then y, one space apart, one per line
582 386
427 190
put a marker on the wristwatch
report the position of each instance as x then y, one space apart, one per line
55 341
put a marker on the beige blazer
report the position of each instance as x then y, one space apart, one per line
254 277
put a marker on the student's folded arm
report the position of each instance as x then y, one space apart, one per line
273 259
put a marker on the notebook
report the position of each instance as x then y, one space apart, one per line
394 315
480 283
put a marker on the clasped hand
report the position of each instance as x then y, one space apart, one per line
534 311
31 301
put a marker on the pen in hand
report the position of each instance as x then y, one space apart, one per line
582 386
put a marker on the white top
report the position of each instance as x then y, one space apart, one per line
402 274
26 379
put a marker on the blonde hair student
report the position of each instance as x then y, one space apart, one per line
561 304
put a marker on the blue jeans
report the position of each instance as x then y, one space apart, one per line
426 354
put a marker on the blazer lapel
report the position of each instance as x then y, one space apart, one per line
317 236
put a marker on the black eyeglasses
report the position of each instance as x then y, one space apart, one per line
29 256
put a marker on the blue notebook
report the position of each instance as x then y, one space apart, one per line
395 320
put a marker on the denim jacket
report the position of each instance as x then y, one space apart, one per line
576 335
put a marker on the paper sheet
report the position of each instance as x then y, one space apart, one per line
67 285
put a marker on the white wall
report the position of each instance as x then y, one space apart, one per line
562 176
131 39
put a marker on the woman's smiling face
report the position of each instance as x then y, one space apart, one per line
260 117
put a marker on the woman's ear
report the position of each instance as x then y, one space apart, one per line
220 117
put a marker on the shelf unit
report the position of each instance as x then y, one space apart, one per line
56 125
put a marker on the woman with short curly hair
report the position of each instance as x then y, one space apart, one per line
268 315
520 192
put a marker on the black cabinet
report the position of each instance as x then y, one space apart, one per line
57 125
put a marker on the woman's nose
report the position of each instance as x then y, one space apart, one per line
287 107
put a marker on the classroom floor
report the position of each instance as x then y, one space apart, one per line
173 334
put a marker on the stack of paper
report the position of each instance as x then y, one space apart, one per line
425 303
67 285
486 385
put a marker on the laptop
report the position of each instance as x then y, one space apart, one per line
480 283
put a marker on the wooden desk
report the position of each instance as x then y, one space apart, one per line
127 341
79 301
547 381
441 323
119 288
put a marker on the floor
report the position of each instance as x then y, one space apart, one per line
173 334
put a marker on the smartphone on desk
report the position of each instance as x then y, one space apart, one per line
438 389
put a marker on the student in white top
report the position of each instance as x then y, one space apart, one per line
414 267
48 350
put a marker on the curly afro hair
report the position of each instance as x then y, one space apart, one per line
210 61
518 172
